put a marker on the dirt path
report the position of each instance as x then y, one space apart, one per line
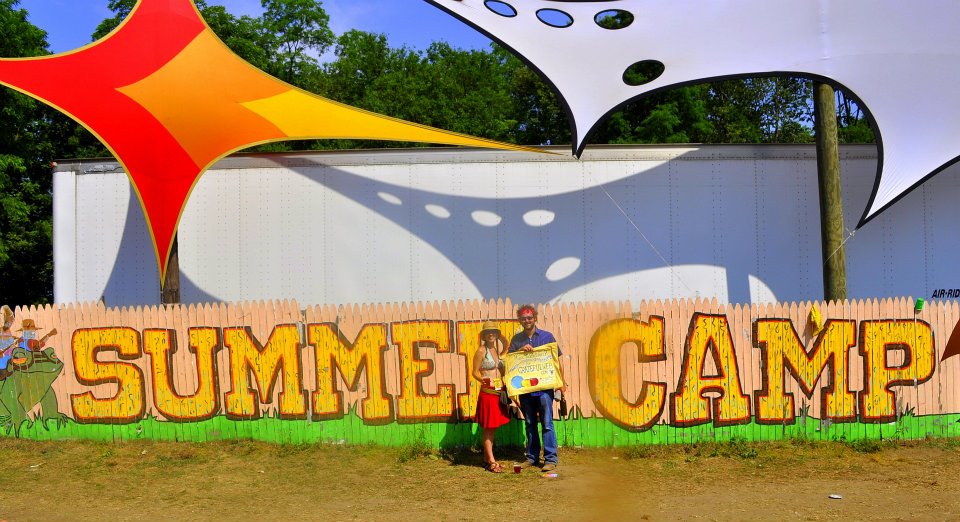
252 481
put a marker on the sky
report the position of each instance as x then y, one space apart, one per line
414 23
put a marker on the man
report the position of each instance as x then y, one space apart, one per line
28 340
537 407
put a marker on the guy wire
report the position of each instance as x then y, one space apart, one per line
652 247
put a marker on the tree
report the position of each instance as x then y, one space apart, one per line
534 106
786 109
675 116
121 9
26 267
360 58
453 89
243 35
291 30
852 124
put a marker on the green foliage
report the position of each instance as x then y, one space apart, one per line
675 116
736 447
291 29
20 37
287 450
121 9
856 132
360 58
867 445
457 90
283 41
415 449
453 89
535 107
852 125
26 267
643 72
640 452
615 19
801 440
243 35
761 110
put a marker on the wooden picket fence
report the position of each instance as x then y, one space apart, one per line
439 362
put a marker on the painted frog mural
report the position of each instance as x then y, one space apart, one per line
27 382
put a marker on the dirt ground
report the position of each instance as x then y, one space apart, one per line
75 481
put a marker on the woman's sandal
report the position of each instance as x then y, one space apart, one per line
493 467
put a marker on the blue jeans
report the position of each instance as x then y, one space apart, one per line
537 411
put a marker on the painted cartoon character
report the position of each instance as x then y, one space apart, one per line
7 341
30 373
28 338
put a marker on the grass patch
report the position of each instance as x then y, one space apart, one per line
733 448
869 445
416 449
462 455
944 443
292 449
801 441
245 480
641 452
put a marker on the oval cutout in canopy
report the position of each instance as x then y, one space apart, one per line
555 18
614 19
501 8
643 72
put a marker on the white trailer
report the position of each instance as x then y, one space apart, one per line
739 223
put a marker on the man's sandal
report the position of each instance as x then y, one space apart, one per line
493 467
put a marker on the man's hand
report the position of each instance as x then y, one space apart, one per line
527 347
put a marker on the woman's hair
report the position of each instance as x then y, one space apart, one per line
526 308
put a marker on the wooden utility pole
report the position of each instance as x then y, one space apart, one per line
831 205
171 281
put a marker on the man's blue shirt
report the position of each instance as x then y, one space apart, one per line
539 338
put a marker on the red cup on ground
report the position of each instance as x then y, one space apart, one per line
516 468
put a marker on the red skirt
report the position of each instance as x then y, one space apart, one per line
490 413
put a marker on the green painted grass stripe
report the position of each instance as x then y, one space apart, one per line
579 432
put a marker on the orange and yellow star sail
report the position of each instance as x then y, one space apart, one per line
169 99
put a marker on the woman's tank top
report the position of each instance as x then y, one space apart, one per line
488 363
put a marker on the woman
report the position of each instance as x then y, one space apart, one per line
488 369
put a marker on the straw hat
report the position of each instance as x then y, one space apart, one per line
489 326
28 324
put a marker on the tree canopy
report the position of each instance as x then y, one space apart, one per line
33 134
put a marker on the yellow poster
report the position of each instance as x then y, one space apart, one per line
538 370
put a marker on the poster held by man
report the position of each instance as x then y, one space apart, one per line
531 371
